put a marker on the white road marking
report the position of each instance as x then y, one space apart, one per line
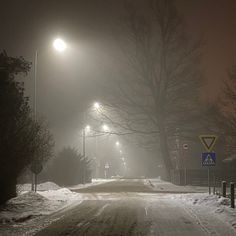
146 212
101 210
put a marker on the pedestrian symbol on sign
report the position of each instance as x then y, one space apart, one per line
208 159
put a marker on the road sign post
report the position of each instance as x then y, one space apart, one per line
185 149
209 182
106 169
232 192
36 168
209 157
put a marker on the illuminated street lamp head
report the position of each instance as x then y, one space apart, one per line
96 105
59 45
88 128
117 143
105 128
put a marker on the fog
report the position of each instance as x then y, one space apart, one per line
68 83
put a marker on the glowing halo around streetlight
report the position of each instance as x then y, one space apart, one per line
59 45
88 128
96 105
105 128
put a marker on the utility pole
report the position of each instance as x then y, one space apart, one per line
96 157
84 146
33 183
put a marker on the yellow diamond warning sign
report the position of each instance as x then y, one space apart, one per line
208 141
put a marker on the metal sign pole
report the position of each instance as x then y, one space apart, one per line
209 157
209 185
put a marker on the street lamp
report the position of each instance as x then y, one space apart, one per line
88 128
117 143
96 105
105 128
59 45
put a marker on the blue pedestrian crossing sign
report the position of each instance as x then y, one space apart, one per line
208 159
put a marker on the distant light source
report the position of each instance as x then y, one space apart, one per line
120 152
105 128
88 128
96 105
59 45
117 143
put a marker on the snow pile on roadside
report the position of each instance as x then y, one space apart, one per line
26 206
210 204
207 200
29 204
41 187
61 195
163 186
94 182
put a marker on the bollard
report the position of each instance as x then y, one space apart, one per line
232 194
223 188
214 185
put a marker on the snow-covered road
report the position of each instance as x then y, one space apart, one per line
129 214
113 210
134 207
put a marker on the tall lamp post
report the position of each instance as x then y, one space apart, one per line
60 46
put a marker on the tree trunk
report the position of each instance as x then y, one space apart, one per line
165 151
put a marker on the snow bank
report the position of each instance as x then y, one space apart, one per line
26 206
48 199
41 187
94 182
62 195
207 200
30 204
204 205
163 186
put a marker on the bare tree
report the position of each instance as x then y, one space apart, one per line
223 114
159 90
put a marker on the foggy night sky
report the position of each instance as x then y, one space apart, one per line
66 82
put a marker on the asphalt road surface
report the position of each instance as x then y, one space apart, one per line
122 208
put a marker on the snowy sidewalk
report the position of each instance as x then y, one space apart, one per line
163 186
205 207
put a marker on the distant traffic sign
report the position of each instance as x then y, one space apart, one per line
208 159
185 146
208 141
